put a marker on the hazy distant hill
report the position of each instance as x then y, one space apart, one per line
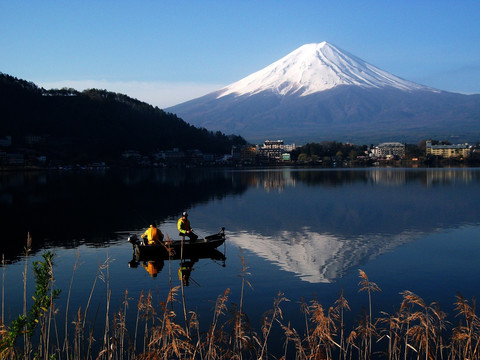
319 92
96 124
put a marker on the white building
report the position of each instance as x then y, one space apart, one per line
389 149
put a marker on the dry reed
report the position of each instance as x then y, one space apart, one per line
415 331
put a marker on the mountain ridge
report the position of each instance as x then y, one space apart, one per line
95 124
359 102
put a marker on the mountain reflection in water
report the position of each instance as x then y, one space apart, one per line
315 223
321 224
318 258
302 232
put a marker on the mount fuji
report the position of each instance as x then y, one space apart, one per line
319 92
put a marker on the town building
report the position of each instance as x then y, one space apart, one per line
34 140
447 151
389 149
3 157
244 154
174 156
131 154
6 141
272 150
289 147
15 159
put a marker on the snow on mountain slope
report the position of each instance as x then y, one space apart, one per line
316 257
319 92
314 68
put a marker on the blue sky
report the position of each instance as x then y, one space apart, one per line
166 52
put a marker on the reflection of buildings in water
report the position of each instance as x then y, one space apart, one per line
269 179
6 199
315 257
20 180
384 176
278 180
397 177
393 177
155 175
446 176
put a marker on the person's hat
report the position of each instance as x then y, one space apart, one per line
185 214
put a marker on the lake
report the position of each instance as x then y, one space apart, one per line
303 232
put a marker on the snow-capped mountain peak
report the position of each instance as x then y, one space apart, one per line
313 68
319 92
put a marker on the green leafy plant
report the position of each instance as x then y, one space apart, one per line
42 299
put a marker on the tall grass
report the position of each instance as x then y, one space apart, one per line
417 330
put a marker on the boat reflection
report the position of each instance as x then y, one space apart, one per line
185 270
154 264
153 267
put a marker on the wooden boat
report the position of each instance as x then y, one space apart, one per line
178 249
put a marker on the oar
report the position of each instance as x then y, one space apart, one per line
195 281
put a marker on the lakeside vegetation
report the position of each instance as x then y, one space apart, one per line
326 154
332 153
169 330
70 127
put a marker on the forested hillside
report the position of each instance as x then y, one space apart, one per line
95 124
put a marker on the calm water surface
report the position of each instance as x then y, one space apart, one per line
302 232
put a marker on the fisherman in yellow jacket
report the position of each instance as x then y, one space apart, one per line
184 227
153 267
153 234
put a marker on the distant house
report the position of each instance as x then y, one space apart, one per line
244 154
3 157
447 151
389 149
15 159
42 159
131 154
34 139
289 147
272 149
6 141
208 157
174 156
